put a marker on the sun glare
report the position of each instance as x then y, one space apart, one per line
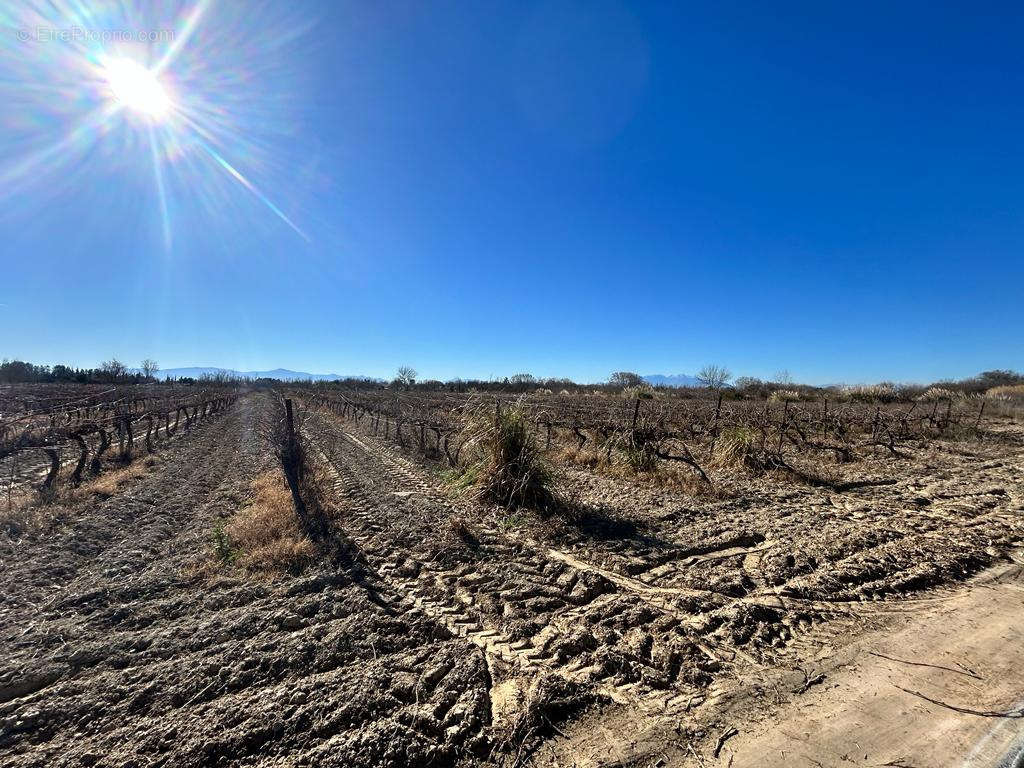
137 88
176 92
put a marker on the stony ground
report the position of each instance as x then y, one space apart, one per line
436 631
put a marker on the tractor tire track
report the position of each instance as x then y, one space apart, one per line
441 592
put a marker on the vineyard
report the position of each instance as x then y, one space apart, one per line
45 430
644 430
319 576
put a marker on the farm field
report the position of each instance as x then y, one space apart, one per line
695 574
545 384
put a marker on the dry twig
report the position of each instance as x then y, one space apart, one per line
1010 713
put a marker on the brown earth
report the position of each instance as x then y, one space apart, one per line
638 627
926 691
121 649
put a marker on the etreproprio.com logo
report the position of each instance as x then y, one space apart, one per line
83 35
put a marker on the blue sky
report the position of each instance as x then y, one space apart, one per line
565 188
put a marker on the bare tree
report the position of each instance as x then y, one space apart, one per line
625 379
406 376
522 379
748 384
714 376
149 368
113 368
782 377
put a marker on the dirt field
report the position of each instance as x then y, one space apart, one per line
649 627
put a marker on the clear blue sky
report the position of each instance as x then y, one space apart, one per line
566 188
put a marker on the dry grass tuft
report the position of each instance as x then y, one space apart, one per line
583 457
24 514
515 473
113 481
1007 400
643 391
870 393
1014 392
739 447
512 471
266 535
939 393
29 511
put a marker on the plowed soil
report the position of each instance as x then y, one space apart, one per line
640 628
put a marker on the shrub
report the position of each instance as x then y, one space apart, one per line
781 395
514 472
748 386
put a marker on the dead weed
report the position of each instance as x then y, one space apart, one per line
265 535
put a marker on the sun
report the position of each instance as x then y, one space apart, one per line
157 97
137 88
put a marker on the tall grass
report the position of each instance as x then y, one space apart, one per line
1007 400
512 471
1008 392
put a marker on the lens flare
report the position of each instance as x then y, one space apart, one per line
193 99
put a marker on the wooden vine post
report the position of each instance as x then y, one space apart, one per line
714 428
290 421
783 425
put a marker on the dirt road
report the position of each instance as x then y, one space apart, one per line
889 699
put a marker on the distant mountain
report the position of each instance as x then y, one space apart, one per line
282 374
676 380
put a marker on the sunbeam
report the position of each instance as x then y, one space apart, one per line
249 185
187 28
158 177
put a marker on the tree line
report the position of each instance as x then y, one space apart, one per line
714 377
111 371
717 378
